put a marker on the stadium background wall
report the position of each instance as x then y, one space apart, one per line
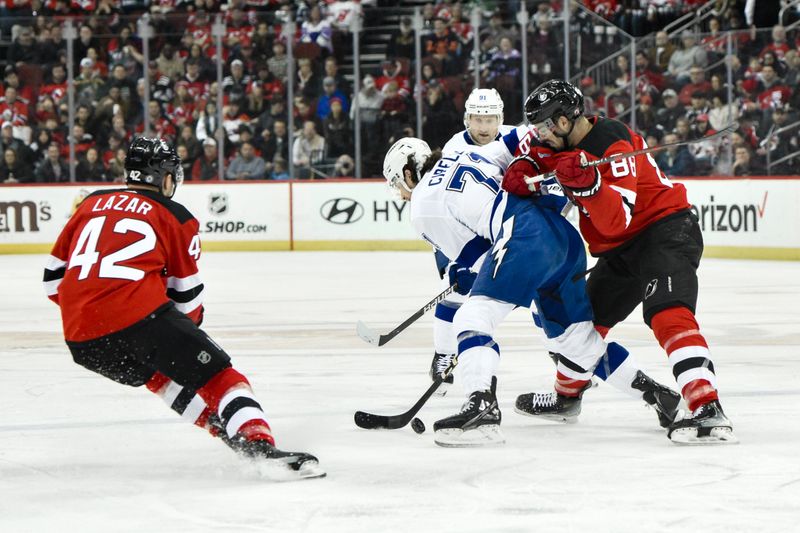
752 218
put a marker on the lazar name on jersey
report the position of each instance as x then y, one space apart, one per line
110 250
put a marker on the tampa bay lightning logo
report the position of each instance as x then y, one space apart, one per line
342 211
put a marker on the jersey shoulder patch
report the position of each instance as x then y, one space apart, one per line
603 134
177 210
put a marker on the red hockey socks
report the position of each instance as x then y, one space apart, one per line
678 333
229 394
183 401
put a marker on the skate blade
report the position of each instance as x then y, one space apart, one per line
554 418
689 437
280 470
488 435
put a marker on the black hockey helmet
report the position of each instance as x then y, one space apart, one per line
553 99
149 160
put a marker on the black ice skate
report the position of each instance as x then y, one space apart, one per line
440 363
663 399
551 405
299 464
478 423
707 425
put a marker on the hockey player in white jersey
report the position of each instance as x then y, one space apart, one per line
483 123
525 252
483 120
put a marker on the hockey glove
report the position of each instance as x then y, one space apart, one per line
462 277
514 178
576 178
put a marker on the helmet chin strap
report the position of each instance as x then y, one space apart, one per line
564 136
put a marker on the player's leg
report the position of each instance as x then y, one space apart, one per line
670 256
478 422
111 357
184 401
188 356
445 344
566 315
444 337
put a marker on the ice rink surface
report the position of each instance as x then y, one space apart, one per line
80 453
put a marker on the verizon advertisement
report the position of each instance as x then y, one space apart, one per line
753 213
348 211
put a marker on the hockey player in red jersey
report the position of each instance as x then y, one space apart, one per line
124 273
647 241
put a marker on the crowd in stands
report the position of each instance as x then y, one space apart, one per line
681 87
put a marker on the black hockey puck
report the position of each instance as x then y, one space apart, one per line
418 426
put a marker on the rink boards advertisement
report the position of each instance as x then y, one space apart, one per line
747 218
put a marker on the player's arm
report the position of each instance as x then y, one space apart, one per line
184 286
502 151
56 265
607 193
454 240
527 162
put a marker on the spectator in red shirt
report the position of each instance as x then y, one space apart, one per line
697 82
12 109
392 70
206 167
778 46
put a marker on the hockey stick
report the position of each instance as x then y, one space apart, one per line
370 336
371 421
730 128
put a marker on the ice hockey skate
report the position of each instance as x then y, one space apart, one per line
551 405
279 465
663 399
439 364
707 425
478 423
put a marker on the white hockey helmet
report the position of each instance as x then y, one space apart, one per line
406 151
483 102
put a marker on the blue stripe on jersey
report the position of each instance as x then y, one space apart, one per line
472 251
614 357
512 141
536 320
441 262
446 311
467 138
495 205
473 339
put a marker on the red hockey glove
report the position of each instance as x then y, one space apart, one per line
514 179
576 178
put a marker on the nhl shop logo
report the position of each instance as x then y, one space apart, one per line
218 203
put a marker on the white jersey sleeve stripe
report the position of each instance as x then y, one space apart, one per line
184 284
188 307
54 263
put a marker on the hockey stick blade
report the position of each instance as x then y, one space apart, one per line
371 337
366 333
370 421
